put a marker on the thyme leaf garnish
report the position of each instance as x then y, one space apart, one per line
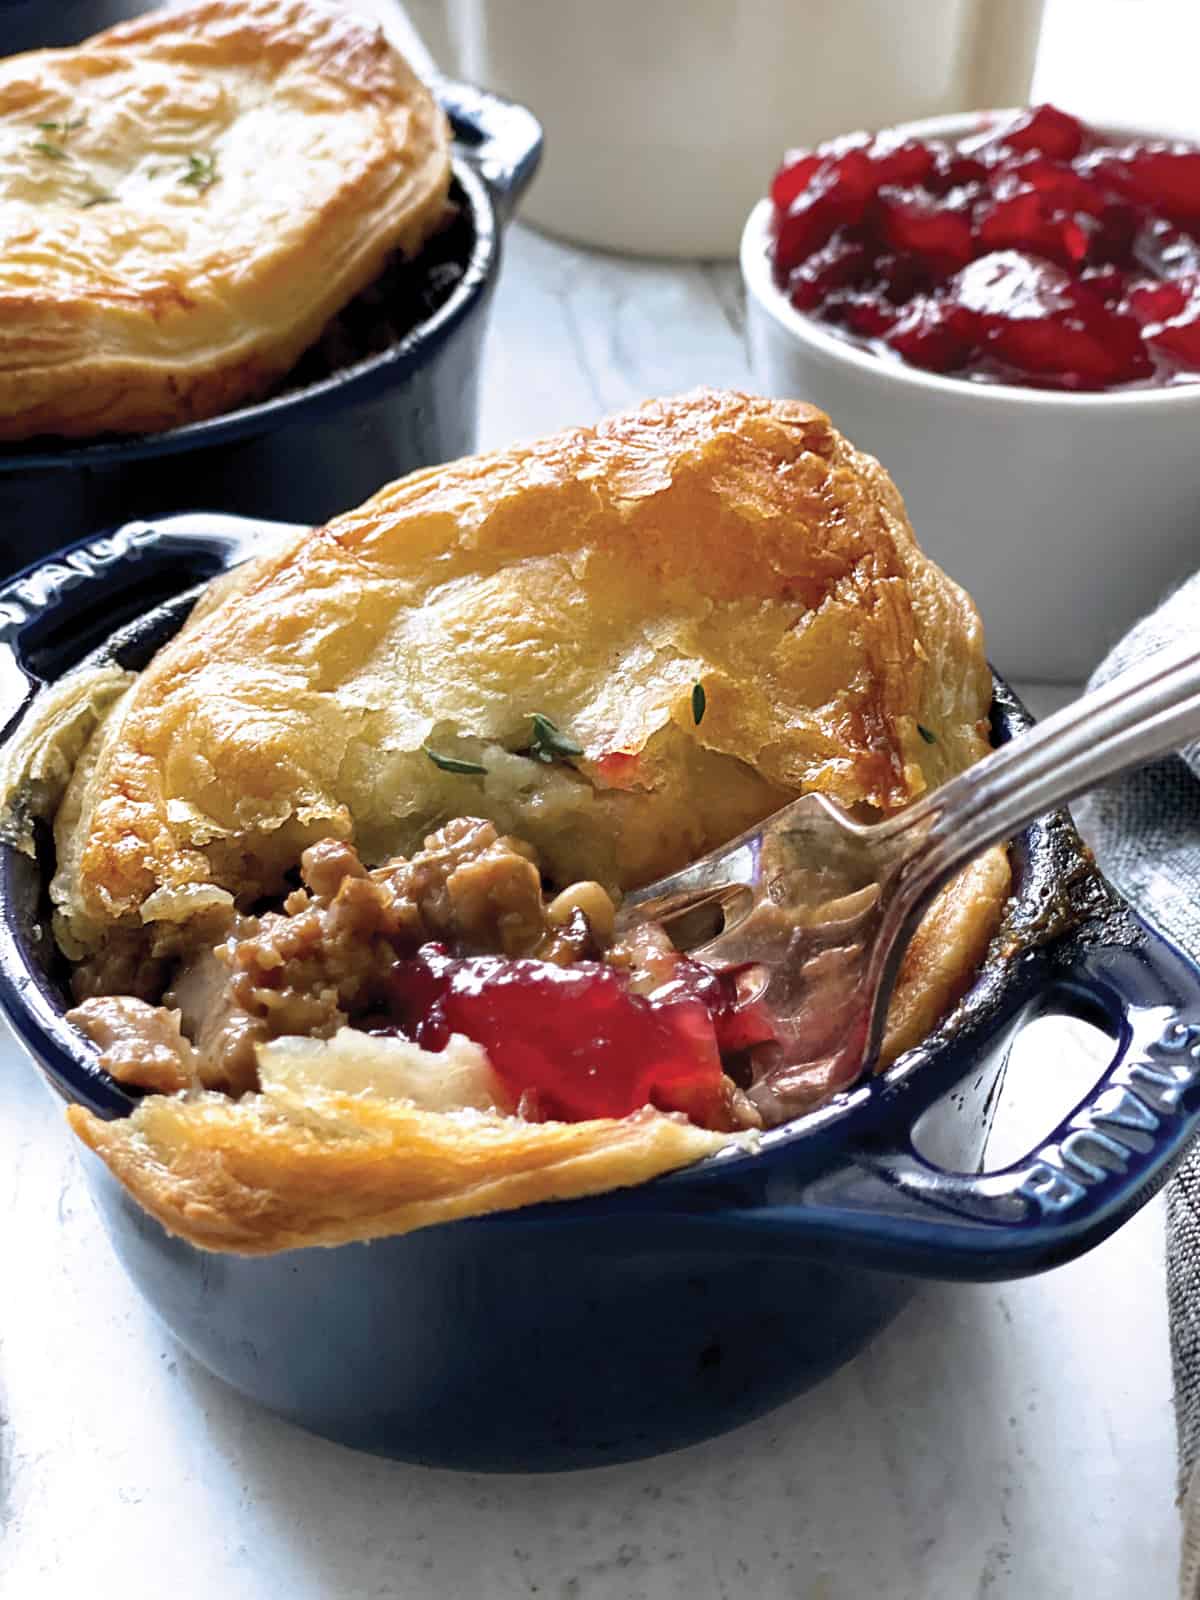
63 127
201 172
469 769
96 200
929 738
699 703
548 743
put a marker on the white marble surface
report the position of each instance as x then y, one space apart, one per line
1000 1442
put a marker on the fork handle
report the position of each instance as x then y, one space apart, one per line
1141 714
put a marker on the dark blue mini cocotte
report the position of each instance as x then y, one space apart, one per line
599 1330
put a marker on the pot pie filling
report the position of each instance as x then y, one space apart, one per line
340 903
458 940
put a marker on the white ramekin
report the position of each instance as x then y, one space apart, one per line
1066 516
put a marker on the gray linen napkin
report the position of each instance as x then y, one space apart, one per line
1145 831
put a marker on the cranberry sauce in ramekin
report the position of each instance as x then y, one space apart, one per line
1031 253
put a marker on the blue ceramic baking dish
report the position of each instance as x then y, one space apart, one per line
605 1329
321 443
47 24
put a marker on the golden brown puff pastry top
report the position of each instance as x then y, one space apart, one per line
593 578
187 199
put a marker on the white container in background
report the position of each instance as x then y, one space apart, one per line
665 119
1066 516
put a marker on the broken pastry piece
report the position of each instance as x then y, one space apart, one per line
354 838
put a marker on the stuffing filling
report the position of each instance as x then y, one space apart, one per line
460 939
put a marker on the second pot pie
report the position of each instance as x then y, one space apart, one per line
471 713
187 199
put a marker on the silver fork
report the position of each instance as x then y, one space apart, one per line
815 911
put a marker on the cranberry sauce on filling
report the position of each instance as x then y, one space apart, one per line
1031 253
591 1039
459 939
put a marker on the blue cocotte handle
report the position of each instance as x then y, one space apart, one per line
886 1206
500 139
51 613
1107 1158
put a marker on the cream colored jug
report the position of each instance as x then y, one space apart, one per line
665 119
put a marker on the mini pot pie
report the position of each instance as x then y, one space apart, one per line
337 871
187 200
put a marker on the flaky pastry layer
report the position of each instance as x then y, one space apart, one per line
187 199
314 1166
596 578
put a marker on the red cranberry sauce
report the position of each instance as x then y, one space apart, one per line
575 1042
1031 253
